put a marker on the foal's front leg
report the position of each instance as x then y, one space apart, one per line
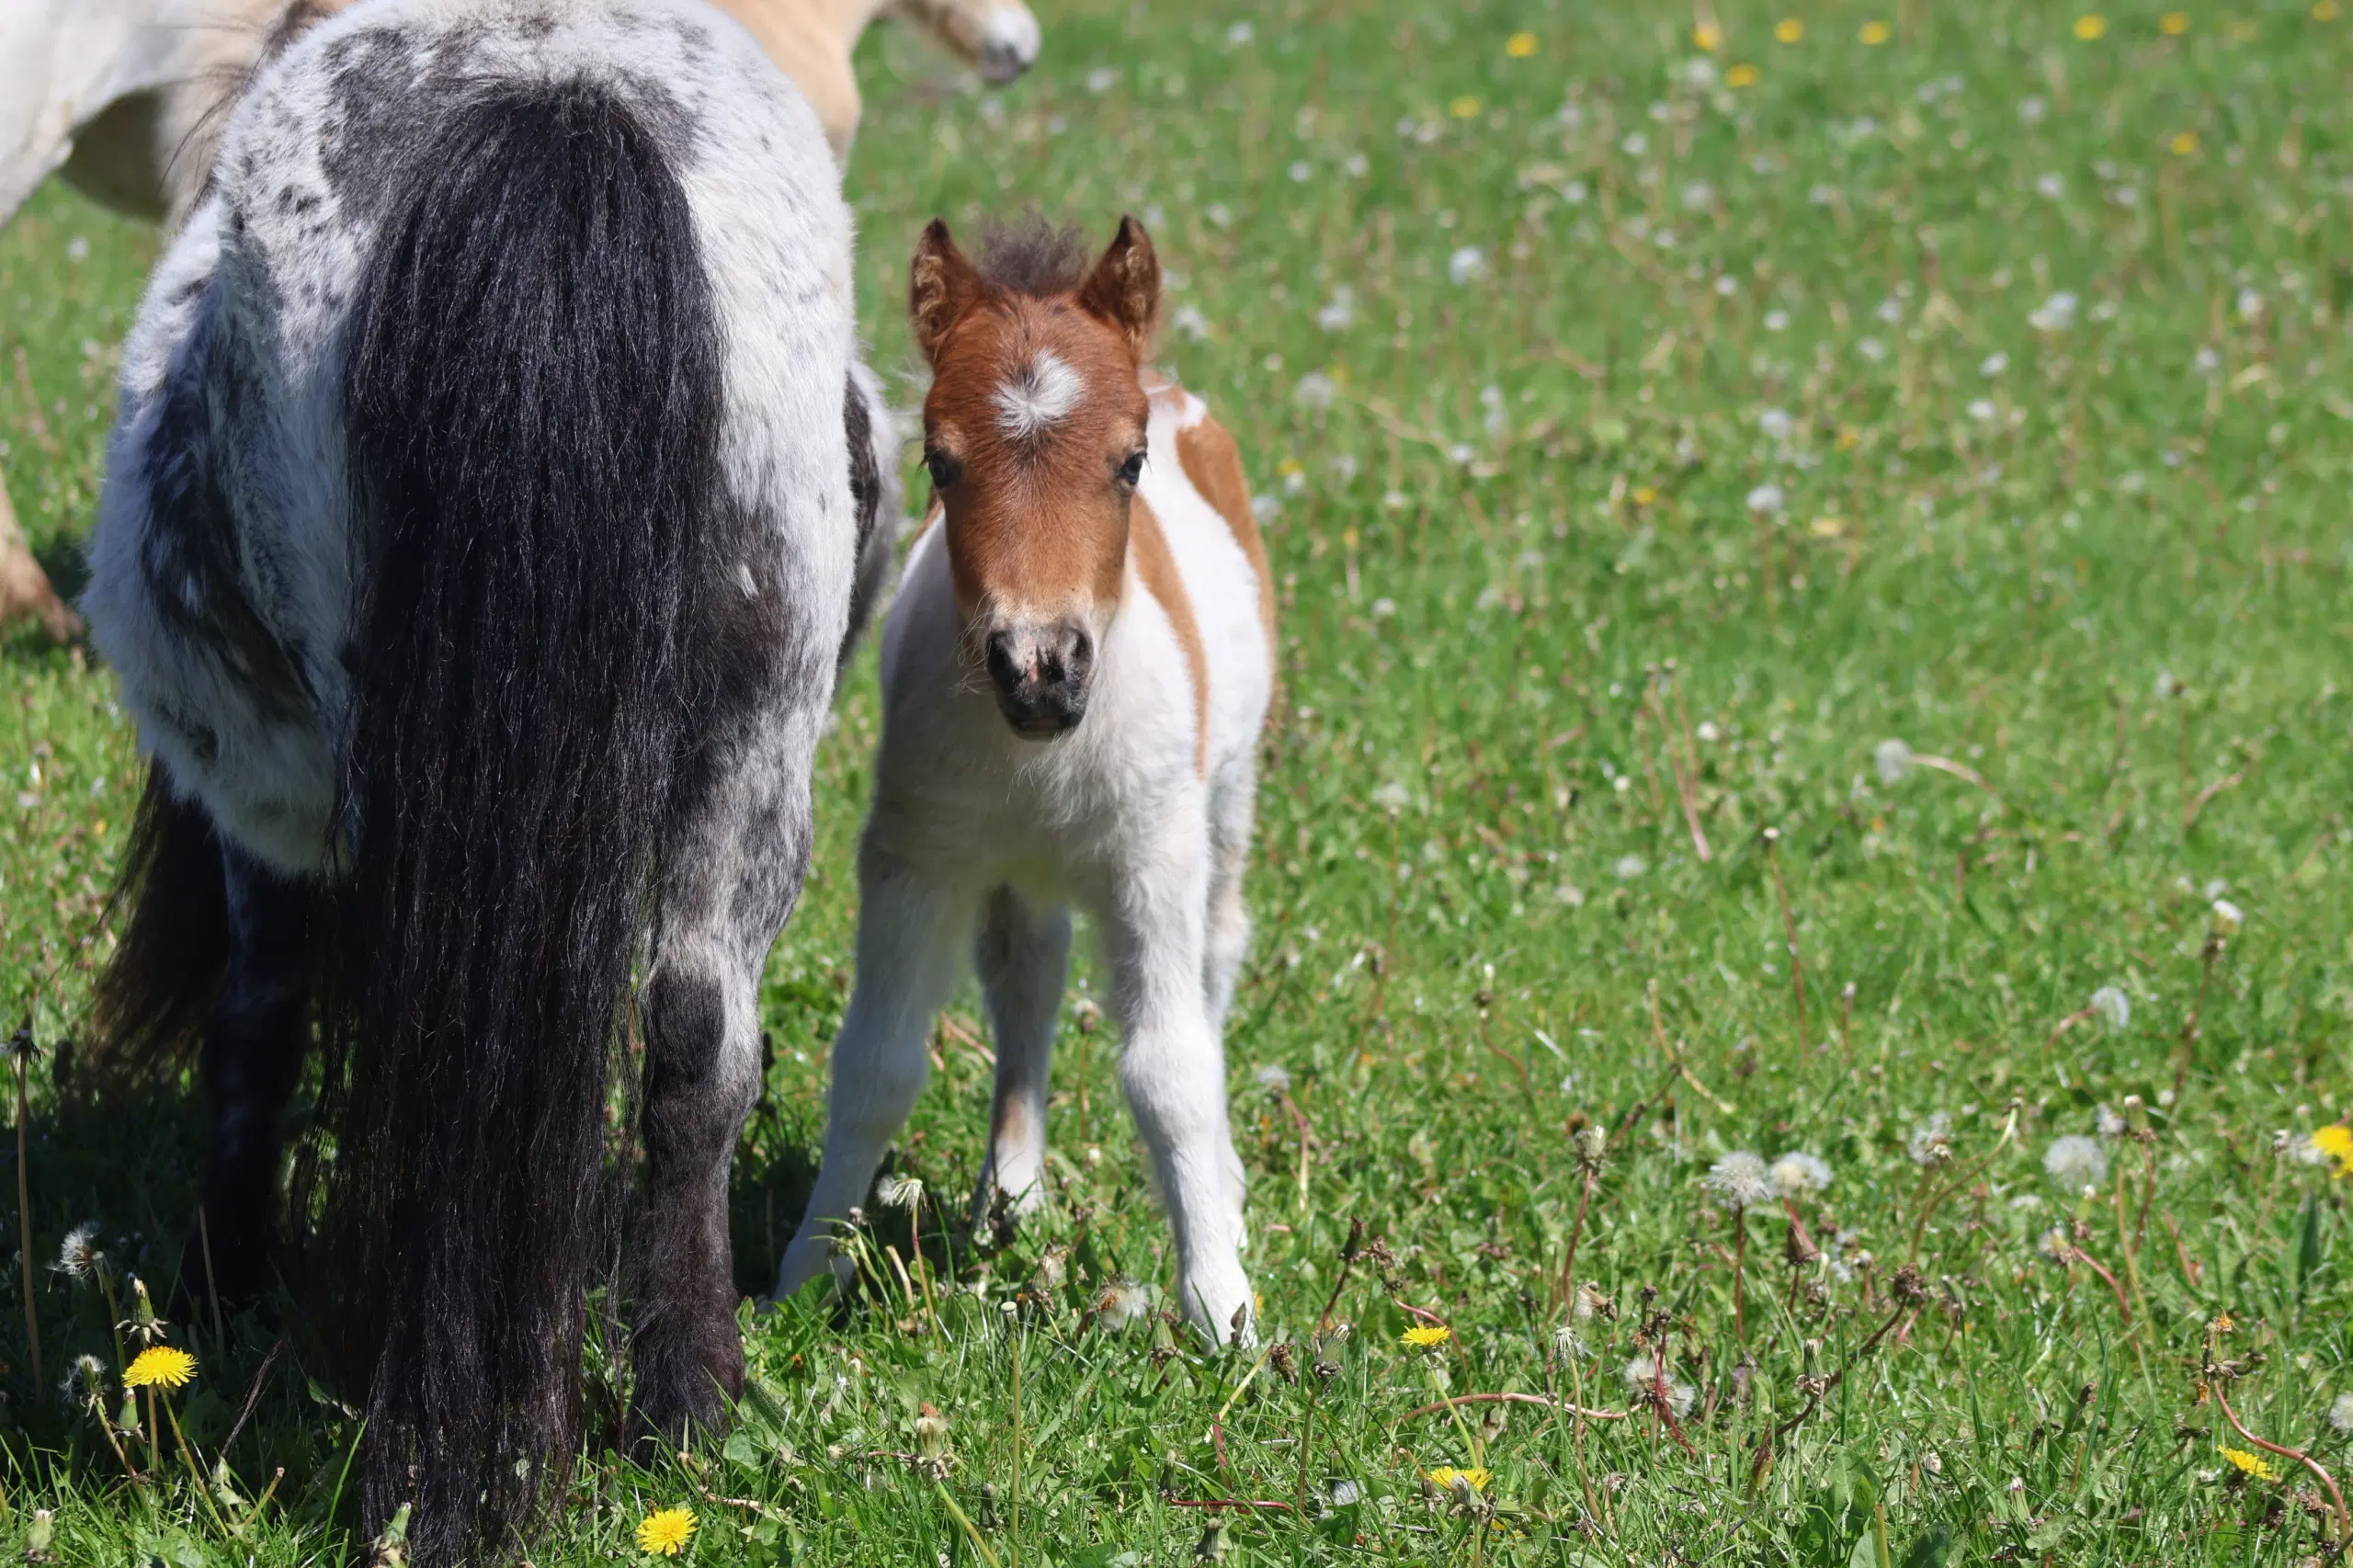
1172 1068
735 852
911 933
1023 957
252 1054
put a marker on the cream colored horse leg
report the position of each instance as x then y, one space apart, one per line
25 591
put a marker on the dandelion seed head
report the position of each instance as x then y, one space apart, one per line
1930 1143
1466 265
1797 1173
2056 313
1766 500
2340 1414
2112 1008
2075 1161
2228 917
78 1257
1314 392
1122 1304
1891 759
1740 1178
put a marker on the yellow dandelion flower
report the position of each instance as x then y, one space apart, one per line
2091 27
2173 24
1519 46
1464 107
2255 1465
1827 528
666 1533
1644 495
2336 1142
1848 438
1708 37
2323 10
2224 1323
1446 1475
1741 76
1788 30
159 1366
1873 34
2183 143
1422 1335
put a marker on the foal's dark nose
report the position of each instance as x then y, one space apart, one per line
1041 673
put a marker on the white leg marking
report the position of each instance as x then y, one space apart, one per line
1172 1068
911 936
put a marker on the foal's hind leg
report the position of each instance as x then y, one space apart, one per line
1023 956
735 855
252 1054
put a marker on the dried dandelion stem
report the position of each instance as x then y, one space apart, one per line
1577 1228
2213 951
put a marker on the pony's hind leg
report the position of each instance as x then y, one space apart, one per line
1023 957
735 855
911 936
251 1057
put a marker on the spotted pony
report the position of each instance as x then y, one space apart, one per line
492 487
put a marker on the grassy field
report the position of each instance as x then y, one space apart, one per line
1813 554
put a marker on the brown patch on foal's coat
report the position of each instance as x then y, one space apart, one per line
1213 463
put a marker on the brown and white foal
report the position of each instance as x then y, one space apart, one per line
1073 678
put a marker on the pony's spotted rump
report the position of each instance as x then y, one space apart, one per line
479 543
1036 397
1073 679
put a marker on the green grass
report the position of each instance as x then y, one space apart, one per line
2098 565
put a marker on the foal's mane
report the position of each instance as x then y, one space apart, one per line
1030 256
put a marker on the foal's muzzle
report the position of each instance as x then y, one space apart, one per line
1042 675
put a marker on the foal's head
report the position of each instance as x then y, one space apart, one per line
1034 434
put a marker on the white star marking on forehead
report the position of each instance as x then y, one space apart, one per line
1034 398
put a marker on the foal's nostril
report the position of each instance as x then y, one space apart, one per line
1003 668
1077 654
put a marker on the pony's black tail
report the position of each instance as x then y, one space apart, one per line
533 398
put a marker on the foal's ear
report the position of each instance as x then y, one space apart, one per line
942 286
1124 287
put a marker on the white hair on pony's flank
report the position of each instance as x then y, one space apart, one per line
1035 398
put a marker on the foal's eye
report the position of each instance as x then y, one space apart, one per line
1132 469
944 470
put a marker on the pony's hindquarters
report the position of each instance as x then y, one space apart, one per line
534 399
